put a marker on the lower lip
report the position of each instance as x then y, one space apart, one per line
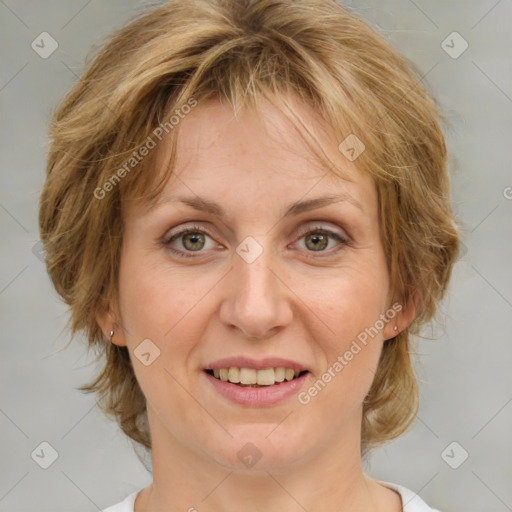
257 397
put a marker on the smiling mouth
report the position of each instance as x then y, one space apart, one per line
251 378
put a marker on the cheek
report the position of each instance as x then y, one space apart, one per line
166 306
349 335
159 300
349 303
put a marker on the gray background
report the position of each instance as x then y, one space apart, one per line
466 383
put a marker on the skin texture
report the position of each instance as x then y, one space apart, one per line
291 302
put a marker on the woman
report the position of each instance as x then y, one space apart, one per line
247 211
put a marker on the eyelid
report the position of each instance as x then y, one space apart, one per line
184 230
313 227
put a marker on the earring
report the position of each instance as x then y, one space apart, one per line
111 334
395 328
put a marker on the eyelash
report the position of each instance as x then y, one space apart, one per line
307 231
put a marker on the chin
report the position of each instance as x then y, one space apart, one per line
255 449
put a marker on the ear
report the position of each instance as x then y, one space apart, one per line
107 321
404 317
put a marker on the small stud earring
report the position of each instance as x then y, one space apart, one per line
111 335
395 328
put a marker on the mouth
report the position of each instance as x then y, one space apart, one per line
252 378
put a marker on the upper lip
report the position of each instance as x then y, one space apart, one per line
260 364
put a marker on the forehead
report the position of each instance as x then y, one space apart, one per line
259 157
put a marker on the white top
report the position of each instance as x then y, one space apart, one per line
411 502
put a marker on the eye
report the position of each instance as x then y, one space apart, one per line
317 238
192 239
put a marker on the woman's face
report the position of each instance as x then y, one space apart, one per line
258 285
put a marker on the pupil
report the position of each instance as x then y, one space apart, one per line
196 236
318 238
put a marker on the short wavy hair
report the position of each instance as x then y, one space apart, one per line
242 51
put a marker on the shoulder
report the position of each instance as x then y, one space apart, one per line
123 506
411 502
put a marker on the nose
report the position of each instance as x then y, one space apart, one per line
258 302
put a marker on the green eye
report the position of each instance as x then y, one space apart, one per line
194 239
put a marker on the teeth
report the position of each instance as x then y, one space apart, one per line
234 375
279 374
289 374
248 376
252 377
265 377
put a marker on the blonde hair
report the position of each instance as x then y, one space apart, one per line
186 51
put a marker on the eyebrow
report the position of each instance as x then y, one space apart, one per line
208 206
